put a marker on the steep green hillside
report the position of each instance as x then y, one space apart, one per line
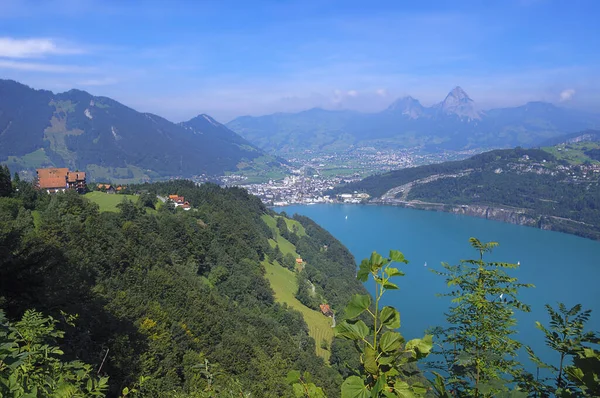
283 282
556 188
159 294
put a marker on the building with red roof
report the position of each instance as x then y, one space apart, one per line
59 179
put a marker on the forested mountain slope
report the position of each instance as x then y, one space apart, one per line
556 188
159 292
110 140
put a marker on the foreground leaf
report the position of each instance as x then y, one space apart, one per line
390 317
390 341
354 387
352 331
357 305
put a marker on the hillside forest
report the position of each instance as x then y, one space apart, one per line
150 300
532 181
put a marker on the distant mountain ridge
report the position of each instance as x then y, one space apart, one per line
455 123
588 135
109 140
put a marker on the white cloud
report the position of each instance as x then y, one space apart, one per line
33 48
567 95
38 67
352 93
382 92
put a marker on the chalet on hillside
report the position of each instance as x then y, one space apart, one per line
106 188
55 179
179 201
299 261
326 310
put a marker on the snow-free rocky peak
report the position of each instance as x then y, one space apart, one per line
458 103
407 106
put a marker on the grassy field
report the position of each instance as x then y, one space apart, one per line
284 245
283 282
109 202
272 223
299 227
573 153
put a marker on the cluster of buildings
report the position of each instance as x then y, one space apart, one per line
56 179
179 201
108 188
356 197
297 188
580 172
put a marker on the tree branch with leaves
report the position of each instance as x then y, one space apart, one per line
384 354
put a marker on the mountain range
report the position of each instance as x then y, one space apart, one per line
110 140
455 123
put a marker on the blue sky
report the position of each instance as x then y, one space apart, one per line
232 58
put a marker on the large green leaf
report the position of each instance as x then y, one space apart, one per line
370 361
376 261
293 376
363 271
379 386
390 341
354 387
387 359
352 330
403 390
357 305
391 271
315 392
389 317
422 347
397 257
390 286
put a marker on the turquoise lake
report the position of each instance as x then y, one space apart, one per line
564 268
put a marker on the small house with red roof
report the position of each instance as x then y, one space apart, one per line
326 310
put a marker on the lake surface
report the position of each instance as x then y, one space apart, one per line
564 268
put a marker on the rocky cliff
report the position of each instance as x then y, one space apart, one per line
506 214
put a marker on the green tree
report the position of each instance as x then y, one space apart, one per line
282 226
30 364
584 375
289 261
278 256
147 199
5 181
566 336
303 385
129 211
305 292
478 349
384 354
